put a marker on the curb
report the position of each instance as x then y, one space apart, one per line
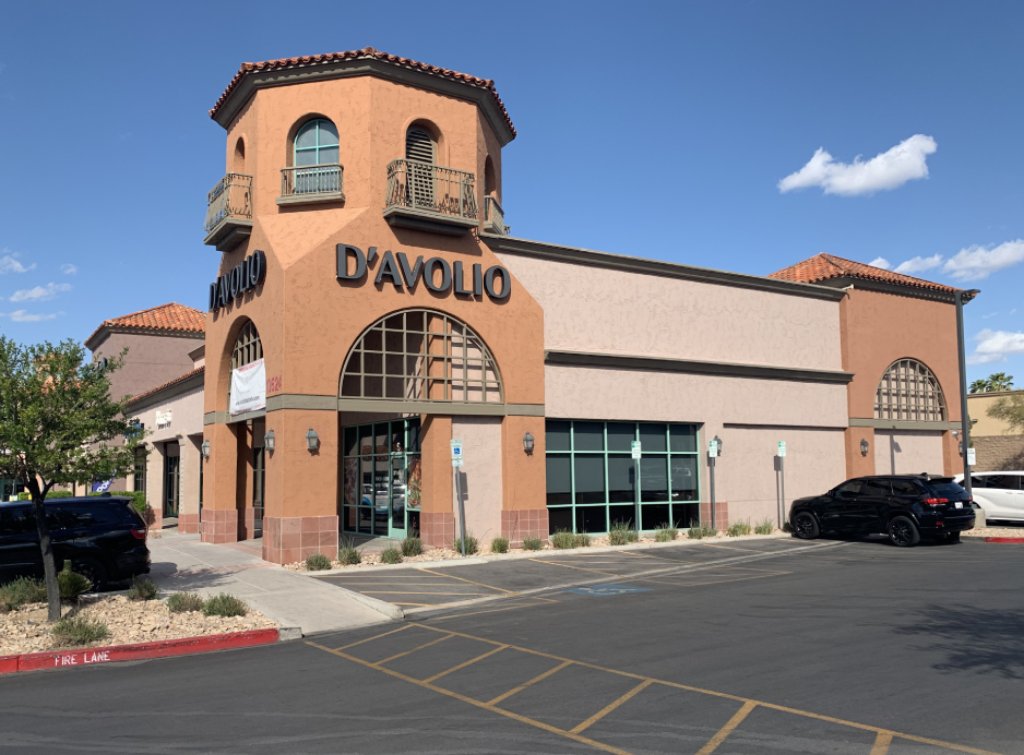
1004 539
51 659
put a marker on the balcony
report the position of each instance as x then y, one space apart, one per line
312 183
494 218
430 197
229 212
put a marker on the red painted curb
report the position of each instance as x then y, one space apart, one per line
137 651
1004 539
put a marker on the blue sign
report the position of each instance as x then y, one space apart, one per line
102 487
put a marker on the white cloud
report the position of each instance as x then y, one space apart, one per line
69 269
9 263
976 262
907 161
996 345
919 264
881 262
40 293
21 315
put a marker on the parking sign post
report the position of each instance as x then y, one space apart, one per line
780 481
457 471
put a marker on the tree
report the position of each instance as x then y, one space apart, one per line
997 381
1010 409
58 424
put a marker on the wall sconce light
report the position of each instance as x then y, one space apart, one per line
528 443
269 440
718 442
864 446
204 449
312 441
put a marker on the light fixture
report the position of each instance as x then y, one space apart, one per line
204 449
528 443
864 447
269 440
312 441
718 442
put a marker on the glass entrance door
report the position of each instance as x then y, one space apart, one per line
172 479
381 486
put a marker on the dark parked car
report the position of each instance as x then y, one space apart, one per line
102 536
904 507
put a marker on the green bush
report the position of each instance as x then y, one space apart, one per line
225 605
183 602
348 555
412 546
72 585
471 545
738 529
75 631
563 539
142 589
765 527
499 545
621 534
581 540
666 534
533 543
20 592
57 493
391 556
699 531
317 562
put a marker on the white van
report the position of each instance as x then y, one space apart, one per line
1000 494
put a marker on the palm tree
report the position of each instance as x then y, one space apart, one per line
981 385
997 381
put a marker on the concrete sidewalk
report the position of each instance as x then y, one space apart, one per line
183 563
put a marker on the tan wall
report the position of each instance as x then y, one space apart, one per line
997 453
151 361
481 438
977 408
905 452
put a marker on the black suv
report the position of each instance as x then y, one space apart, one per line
102 536
904 507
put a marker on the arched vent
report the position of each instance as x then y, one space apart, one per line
910 391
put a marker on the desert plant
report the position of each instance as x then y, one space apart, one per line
142 589
563 539
317 562
471 545
74 631
391 556
225 605
533 543
580 540
183 602
765 527
348 555
499 545
666 534
700 531
72 585
738 529
20 592
621 534
412 546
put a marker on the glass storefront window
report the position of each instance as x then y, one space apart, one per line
382 479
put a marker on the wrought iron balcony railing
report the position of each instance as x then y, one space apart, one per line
494 217
311 183
432 192
229 211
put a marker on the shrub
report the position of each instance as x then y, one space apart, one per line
72 585
471 545
699 531
391 556
57 493
563 539
499 545
533 543
20 592
225 605
412 546
142 589
666 534
317 562
348 555
580 540
738 529
621 534
183 602
73 631
765 527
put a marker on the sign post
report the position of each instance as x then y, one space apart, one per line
780 480
457 472
712 458
636 452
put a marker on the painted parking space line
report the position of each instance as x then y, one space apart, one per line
882 742
553 562
728 729
468 581
612 706
529 683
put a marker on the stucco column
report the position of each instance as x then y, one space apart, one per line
220 484
524 512
188 503
155 460
437 520
857 464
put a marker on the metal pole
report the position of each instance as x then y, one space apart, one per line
965 422
711 480
782 491
462 509
636 494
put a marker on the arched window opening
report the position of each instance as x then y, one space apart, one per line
490 180
315 159
248 348
238 159
421 152
909 391
421 355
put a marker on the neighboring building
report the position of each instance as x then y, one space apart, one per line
997 446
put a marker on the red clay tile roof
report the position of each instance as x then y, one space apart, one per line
306 61
823 267
168 384
172 319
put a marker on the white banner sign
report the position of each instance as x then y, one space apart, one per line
248 388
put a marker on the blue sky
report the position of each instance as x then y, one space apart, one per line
743 136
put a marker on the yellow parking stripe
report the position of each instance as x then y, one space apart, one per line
469 581
539 678
882 742
417 592
612 706
726 730
465 664
515 607
376 637
549 562
396 656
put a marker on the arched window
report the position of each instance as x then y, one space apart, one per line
421 355
421 154
248 347
315 158
909 391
